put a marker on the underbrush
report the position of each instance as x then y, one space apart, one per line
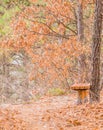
56 92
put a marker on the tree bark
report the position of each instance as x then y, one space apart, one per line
96 46
80 24
82 57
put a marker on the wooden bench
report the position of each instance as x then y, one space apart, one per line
82 92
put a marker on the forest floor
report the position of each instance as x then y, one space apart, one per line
52 113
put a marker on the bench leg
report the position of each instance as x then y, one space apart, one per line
82 96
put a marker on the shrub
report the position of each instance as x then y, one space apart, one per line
55 92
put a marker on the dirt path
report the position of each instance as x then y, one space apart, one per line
54 113
35 113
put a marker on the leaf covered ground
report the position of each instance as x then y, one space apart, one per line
52 113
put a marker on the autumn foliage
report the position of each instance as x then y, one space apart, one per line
47 33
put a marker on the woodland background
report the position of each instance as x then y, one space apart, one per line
43 48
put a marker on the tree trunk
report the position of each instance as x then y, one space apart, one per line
96 45
5 67
80 25
82 57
